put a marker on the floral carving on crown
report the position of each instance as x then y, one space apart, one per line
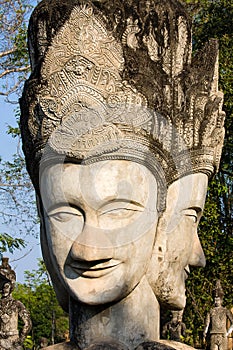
118 88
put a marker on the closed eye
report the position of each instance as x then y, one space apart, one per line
120 208
65 214
192 213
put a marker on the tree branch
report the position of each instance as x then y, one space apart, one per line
8 52
26 184
14 70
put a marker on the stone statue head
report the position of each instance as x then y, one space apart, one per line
6 289
121 131
218 294
7 278
177 316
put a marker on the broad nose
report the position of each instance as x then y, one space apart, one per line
92 244
197 257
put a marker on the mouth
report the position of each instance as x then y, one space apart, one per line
94 269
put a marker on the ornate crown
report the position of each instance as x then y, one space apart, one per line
115 80
218 290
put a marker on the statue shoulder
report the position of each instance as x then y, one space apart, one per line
21 307
62 346
176 345
165 345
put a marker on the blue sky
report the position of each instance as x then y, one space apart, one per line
25 259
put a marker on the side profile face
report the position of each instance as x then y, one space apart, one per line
178 245
100 224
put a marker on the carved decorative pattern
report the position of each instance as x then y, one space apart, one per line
129 36
109 74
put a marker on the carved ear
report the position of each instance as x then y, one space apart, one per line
61 293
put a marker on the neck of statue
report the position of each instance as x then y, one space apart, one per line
130 321
7 297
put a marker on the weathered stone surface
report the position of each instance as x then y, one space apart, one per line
216 321
154 346
177 244
120 131
149 345
63 346
10 311
130 63
176 345
107 346
175 329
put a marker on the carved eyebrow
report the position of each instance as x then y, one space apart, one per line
193 206
55 206
122 200
198 209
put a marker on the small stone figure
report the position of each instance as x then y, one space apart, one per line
43 343
175 329
10 311
216 321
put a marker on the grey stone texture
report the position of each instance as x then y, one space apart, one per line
10 311
121 130
216 321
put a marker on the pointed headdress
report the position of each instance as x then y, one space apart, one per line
6 273
115 80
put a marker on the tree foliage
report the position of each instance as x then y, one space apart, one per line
18 209
37 294
212 19
18 214
14 64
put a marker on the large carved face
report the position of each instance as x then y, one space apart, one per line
101 228
100 224
178 246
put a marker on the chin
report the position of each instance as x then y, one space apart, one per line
169 291
177 301
177 298
92 292
171 300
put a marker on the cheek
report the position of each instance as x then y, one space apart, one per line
181 239
58 243
140 251
125 231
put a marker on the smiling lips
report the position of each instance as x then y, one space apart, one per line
94 269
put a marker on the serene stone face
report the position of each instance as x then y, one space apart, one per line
177 232
100 223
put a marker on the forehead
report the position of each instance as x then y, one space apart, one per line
98 182
189 191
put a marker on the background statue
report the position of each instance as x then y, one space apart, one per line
120 132
216 321
10 312
43 343
175 329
